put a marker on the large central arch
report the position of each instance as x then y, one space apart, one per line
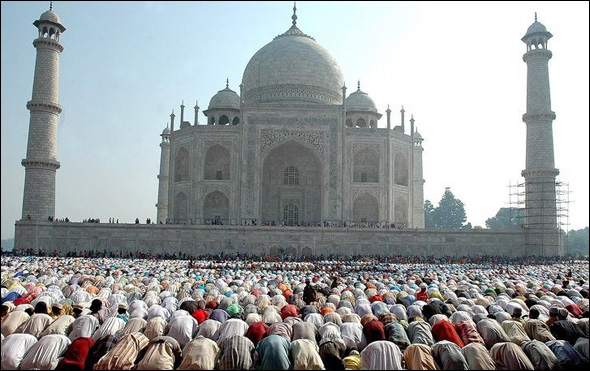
291 175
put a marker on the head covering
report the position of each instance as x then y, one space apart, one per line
234 309
563 312
289 310
256 332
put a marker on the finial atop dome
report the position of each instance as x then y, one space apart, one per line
294 31
359 85
49 16
227 83
537 29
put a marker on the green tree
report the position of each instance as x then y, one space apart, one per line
450 213
506 218
577 242
428 210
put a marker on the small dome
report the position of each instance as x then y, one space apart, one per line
417 135
360 101
166 131
225 98
50 16
536 27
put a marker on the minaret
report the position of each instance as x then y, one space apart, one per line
163 177
41 162
540 171
417 178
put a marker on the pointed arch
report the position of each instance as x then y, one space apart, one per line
180 208
181 165
400 215
361 123
365 166
400 170
279 188
216 208
217 163
306 251
223 120
365 209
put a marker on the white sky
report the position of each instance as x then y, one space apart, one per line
456 66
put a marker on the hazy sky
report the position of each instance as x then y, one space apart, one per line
456 66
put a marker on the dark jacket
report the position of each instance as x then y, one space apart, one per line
309 294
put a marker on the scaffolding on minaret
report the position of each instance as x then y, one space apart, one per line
516 202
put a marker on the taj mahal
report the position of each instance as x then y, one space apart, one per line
291 162
293 148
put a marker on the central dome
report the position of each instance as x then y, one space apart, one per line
293 67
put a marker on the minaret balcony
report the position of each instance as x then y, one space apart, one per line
537 54
540 173
545 116
44 106
40 164
46 43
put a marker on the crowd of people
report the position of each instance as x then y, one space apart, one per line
252 312
285 223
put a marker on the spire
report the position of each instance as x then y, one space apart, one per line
359 85
403 112
227 83
51 6
535 16
294 31
172 116
182 114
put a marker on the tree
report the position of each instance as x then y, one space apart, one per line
450 213
577 242
506 218
428 210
